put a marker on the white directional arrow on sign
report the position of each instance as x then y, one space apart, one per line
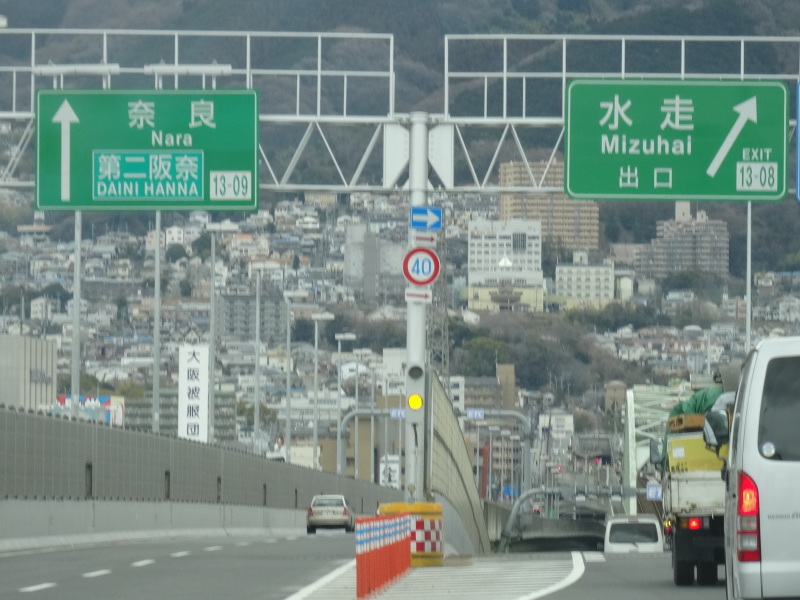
66 116
747 112
430 218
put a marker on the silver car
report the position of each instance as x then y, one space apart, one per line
329 511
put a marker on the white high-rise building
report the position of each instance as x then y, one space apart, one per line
505 266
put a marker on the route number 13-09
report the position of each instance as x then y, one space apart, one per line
230 185
756 177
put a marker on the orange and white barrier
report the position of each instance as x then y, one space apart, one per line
381 551
427 535
427 531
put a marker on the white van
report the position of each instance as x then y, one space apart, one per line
762 473
635 533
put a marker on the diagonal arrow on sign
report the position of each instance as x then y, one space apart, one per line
66 116
747 112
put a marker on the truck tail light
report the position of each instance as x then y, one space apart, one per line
694 523
748 543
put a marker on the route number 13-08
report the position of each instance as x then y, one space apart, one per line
756 176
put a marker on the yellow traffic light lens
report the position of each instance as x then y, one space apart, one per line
415 402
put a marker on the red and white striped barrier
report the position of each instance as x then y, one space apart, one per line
427 536
381 551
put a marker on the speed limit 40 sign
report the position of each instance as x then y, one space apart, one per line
421 266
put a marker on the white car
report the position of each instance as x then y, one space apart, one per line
329 511
635 533
762 473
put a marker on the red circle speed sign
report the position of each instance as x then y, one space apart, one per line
421 266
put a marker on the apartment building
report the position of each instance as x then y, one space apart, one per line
685 244
572 224
236 315
588 285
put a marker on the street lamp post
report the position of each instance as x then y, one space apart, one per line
493 429
507 473
287 442
515 442
340 451
317 317
257 370
359 354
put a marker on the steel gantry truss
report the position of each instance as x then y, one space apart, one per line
328 117
328 121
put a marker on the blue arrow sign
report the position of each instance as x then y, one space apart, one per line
428 218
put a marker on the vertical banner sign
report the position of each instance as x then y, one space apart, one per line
193 392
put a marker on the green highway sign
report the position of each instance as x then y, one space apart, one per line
676 140
147 150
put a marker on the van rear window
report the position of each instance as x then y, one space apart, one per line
633 533
780 410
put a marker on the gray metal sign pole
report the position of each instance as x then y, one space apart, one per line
157 330
75 384
416 315
212 343
257 371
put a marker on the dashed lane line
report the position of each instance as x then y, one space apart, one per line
93 574
37 588
143 563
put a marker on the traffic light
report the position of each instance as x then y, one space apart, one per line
597 460
415 394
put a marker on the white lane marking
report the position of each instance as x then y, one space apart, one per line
321 583
180 554
242 544
100 573
594 557
271 541
37 588
291 538
212 548
143 563
577 572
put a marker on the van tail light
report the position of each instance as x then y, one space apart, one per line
310 512
748 542
346 511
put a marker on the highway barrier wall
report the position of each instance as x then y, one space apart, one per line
26 524
452 480
45 459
